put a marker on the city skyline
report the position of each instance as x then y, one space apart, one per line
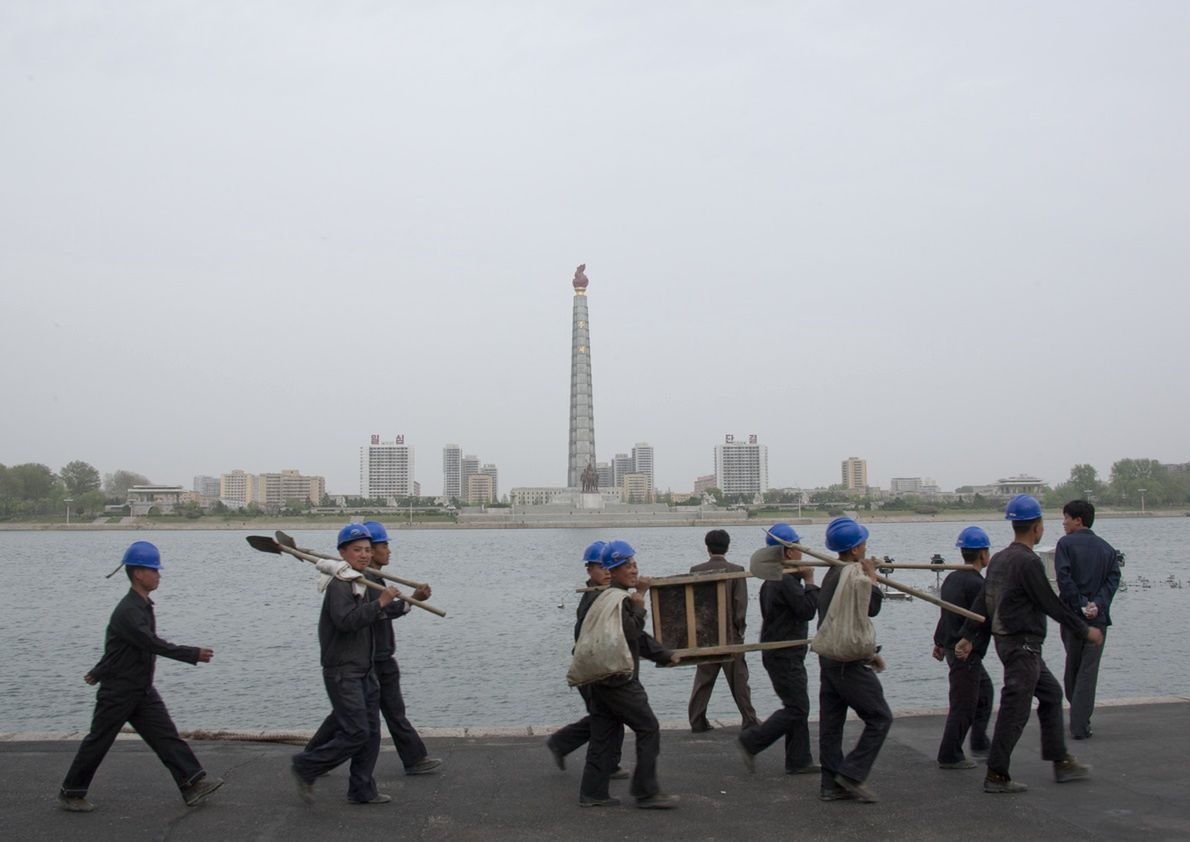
847 231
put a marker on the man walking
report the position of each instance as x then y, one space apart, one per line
1088 572
786 608
126 693
735 670
970 686
1016 599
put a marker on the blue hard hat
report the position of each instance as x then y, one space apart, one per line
973 538
1022 507
376 530
783 531
616 553
142 554
843 534
592 554
353 532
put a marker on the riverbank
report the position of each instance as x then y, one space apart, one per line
265 525
507 788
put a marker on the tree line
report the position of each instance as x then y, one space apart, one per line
35 489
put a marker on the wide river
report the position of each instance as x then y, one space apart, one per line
500 657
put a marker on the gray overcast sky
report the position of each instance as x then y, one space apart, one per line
941 236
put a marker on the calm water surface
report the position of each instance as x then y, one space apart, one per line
500 658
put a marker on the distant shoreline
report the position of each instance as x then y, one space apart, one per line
588 522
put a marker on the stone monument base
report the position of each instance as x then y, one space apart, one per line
588 501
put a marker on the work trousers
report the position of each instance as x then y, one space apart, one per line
736 673
144 711
1082 674
850 684
971 696
576 734
613 707
1025 676
392 706
787 671
351 732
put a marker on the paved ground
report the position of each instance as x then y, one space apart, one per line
507 788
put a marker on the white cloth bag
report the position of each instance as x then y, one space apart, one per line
601 650
847 633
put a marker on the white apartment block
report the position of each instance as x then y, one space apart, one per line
386 469
642 461
452 472
278 488
742 467
855 473
238 487
480 490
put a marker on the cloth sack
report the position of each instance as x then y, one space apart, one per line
847 633
339 569
601 650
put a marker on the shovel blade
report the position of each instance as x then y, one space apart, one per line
285 540
766 563
264 543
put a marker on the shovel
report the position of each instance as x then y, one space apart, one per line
768 563
268 545
287 541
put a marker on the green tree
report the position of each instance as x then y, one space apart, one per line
716 495
1129 476
117 484
79 477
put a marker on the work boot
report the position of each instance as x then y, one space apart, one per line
808 769
74 804
621 774
857 789
200 790
834 793
424 766
997 783
748 757
1068 769
657 801
305 788
559 757
586 801
965 763
378 798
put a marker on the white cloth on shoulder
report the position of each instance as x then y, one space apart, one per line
338 569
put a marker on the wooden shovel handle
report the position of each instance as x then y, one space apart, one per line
314 558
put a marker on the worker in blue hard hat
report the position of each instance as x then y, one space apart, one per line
849 684
971 691
345 638
577 734
1017 597
126 693
786 608
618 701
735 670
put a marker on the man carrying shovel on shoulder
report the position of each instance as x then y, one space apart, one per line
617 618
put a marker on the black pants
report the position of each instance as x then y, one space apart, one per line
611 709
144 711
850 684
392 707
971 696
1082 675
736 673
577 734
787 671
1025 676
351 732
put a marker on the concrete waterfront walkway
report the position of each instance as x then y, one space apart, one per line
507 788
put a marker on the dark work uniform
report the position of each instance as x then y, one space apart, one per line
843 685
786 608
392 704
126 694
616 702
971 691
352 731
1016 599
734 670
576 734
1088 570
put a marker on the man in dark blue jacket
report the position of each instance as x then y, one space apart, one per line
1088 572
126 693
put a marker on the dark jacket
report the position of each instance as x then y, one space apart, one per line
1088 570
786 608
1017 597
345 630
384 644
829 583
737 617
640 643
962 587
131 646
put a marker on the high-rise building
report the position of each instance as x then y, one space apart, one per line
386 469
490 470
855 473
237 487
206 486
621 464
280 488
452 472
742 467
468 465
642 461
636 488
480 489
582 402
604 469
